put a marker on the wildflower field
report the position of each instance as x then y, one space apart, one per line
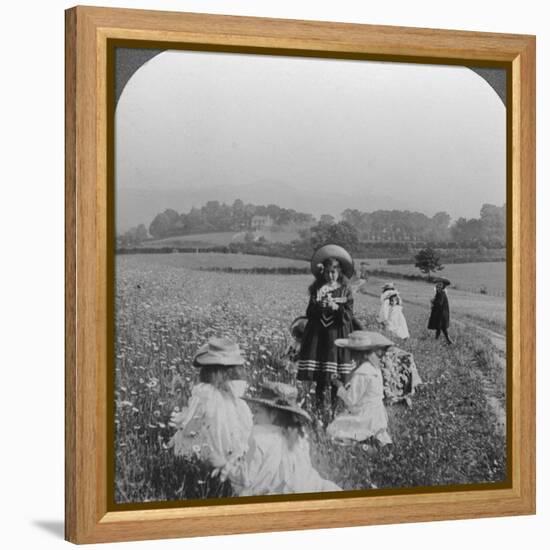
166 308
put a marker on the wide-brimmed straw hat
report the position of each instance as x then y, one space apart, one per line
364 340
218 351
443 280
277 395
298 327
333 251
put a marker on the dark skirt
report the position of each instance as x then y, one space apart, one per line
440 315
320 358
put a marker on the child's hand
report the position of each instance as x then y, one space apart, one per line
335 381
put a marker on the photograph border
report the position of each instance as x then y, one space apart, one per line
91 37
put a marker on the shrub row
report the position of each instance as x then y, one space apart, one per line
260 270
300 250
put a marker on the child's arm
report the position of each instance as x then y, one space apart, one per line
237 468
352 393
314 308
345 309
252 472
194 409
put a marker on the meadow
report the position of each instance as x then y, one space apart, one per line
212 260
166 308
224 238
468 277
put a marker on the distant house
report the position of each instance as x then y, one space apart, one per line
261 222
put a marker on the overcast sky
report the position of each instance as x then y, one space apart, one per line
354 133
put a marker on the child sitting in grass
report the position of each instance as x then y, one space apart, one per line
366 415
216 424
278 459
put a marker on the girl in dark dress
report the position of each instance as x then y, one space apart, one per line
440 315
330 316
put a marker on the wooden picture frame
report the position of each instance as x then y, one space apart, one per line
88 264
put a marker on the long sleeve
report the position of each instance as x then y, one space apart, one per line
314 309
189 424
258 472
384 311
345 310
240 469
193 410
445 302
353 393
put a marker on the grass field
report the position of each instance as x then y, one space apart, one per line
198 240
207 260
166 309
204 240
468 277
489 311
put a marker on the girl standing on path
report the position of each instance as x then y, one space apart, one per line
390 314
330 316
440 314
396 320
384 311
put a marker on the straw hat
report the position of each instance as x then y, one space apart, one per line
281 396
364 340
333 251
218 351
388 286
298 326
443 280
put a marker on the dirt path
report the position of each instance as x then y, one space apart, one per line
499 355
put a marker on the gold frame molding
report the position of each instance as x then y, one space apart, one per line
90 33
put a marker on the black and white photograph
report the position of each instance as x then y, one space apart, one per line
310 276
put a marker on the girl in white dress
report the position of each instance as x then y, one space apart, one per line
216 424
396 322
384 311
363 395
278 459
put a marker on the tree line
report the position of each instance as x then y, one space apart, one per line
355 227
407 226
215 216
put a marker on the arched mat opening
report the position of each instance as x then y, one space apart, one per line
129 60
